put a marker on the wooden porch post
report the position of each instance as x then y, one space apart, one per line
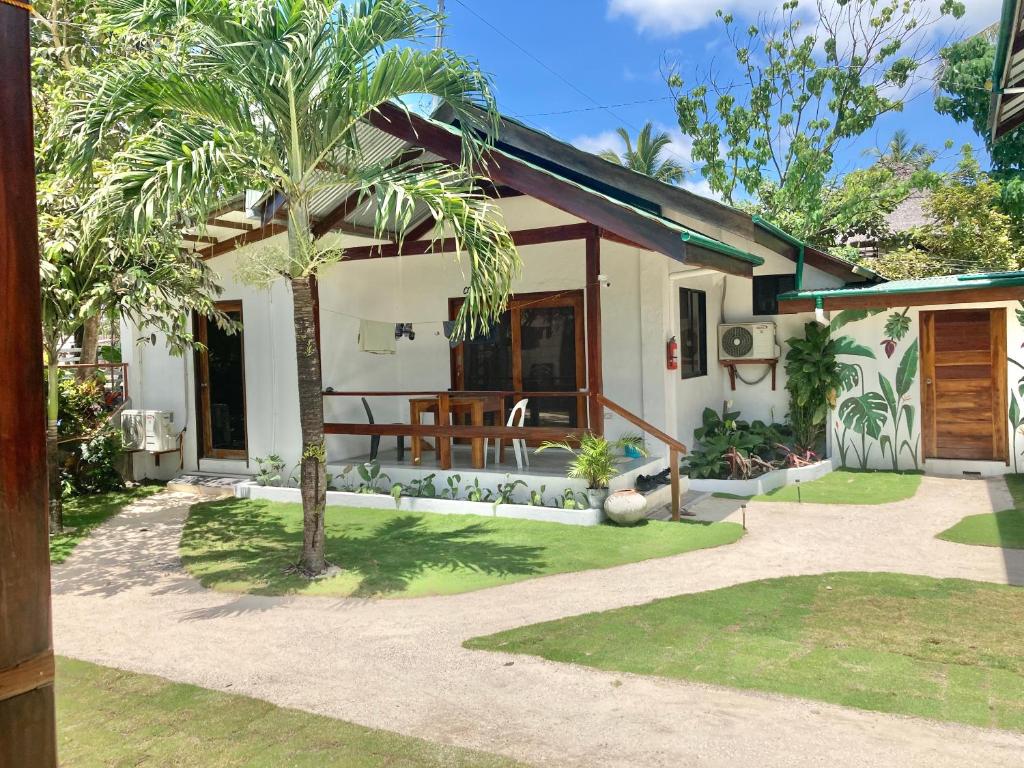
27 732
595 377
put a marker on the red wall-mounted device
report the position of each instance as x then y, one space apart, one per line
672 354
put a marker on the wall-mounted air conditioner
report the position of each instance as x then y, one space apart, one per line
133 430
747 341
149 431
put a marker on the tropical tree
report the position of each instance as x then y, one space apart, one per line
649 156
275 96
769 125
964 95
901 156
92 264
967 231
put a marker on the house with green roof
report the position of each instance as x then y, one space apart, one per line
640 305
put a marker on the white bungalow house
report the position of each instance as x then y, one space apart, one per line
614 325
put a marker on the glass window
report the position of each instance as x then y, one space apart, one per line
693 333
766 292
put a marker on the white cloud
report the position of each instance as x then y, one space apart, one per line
598 142
670 17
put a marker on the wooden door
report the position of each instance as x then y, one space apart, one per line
963 384
220 388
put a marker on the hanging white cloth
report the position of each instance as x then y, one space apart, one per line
377 338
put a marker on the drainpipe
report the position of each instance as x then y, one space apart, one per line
785 236
819 311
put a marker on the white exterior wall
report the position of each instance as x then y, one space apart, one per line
640 312
870 333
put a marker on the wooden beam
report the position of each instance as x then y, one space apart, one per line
27 729
246 238
199 239
520 237
336 215
229 224
597 209
421 229
595 366
899 300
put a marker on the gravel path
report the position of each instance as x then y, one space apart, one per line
123 600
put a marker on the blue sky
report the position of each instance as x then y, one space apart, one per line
611 52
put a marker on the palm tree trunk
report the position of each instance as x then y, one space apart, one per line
313 467
52 463
313 464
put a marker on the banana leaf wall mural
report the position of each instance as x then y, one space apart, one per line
877 427
1016 411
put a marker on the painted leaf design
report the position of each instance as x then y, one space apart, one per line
888 394
896 326
845 345
907 370
885 442
864 414
848 316
849 376
1014 411
908 416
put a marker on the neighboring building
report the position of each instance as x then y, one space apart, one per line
1006 113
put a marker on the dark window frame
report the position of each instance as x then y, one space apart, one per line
693 311
770 292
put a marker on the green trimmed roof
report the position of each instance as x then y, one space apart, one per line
920 285
1006 111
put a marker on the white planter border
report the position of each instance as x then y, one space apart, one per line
251 490
766 482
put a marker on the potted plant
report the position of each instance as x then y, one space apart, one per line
595 460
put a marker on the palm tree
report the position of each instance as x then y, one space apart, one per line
649 156
275 95
902 157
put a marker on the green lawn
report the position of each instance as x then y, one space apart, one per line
999 529
245 545
946 649
108 718
83 513
845 486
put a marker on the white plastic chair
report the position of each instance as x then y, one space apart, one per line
516 418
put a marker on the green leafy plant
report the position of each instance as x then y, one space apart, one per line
422 487
595 459
729 447
269 469
452 489
373 479
475 493
506 491
570 499
537 497
813 379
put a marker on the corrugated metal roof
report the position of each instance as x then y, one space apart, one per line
919 285
1007 108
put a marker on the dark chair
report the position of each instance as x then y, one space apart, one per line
375 439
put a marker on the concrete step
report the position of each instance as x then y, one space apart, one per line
206 484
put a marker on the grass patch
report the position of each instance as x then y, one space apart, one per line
108 717
245 545
83 513
734 496
941 648
994 529
845 486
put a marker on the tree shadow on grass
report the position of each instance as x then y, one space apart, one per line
247 545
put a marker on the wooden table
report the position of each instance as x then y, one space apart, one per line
443 406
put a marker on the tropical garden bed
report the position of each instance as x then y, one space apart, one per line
941 648
248 545
109 717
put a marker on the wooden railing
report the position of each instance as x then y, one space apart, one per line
675 448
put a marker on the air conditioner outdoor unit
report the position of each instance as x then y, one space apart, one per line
160 432
747 341
133 430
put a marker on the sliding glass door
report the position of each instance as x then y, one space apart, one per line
538 346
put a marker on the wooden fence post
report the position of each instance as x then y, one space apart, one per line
673 465
27 731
